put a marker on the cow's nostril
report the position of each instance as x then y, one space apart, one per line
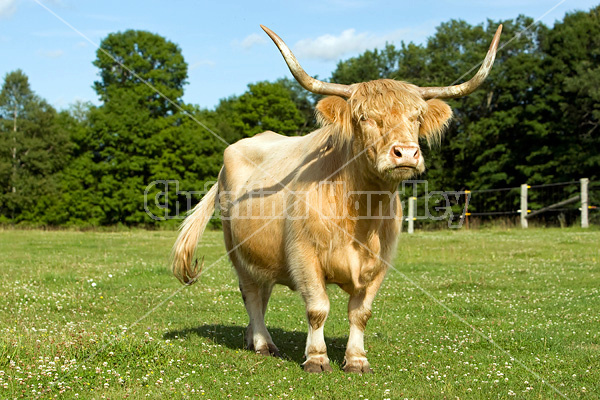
416 155
397 152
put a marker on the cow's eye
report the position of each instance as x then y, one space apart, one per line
364 118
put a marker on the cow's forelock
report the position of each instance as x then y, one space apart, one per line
376 99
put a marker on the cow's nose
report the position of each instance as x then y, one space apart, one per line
406 152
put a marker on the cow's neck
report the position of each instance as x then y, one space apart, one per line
367 194
361 177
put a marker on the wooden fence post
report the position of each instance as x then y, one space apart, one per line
584 202
412 202
524 205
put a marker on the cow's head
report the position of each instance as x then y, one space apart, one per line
383 120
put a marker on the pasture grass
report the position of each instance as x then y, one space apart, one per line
98 315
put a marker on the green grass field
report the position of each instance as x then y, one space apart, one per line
98 315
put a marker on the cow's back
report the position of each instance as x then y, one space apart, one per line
263 160
259 174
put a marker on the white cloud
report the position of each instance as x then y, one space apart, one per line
252 40
331 47
52 53
7 8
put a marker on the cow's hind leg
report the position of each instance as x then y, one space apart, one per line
256 298
249 340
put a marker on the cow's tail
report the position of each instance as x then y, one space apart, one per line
182 256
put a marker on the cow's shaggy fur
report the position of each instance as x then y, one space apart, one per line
322 209
298 211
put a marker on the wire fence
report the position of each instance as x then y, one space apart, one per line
553 204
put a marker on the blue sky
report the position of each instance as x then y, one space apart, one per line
222 41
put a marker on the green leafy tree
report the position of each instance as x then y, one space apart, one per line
497 130
573 95
192 155
145 65
371 65
33 150
16 100
138 135
305 103
78 203
282 106
224 119
266 106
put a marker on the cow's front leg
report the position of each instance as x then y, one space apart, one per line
359 312
317 309
308 278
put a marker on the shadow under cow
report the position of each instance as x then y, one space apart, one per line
290 343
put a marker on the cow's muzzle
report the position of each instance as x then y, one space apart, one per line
405 155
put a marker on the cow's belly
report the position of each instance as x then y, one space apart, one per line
256 230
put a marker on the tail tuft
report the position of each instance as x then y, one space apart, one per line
182 256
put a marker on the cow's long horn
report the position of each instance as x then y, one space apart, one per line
308 82
450 92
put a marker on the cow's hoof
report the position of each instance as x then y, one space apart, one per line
316 365
263 351
358 367
274 351
269 350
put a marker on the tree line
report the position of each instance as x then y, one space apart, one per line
534 120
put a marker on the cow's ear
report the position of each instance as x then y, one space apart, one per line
435 120
334 110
